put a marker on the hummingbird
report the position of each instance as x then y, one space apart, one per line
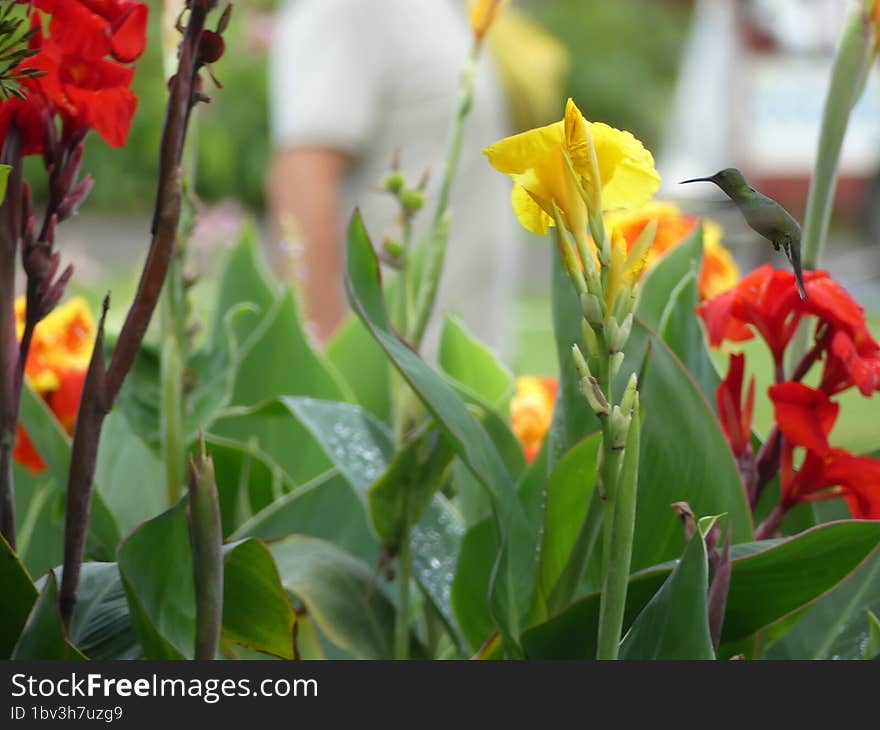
764 216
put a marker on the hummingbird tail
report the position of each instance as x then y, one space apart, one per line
793 252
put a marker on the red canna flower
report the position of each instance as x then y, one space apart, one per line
805 417
56 367
97 28
734 412
766 299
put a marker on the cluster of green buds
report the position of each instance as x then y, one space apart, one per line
410 201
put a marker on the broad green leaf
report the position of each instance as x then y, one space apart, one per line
662 279
4 180
436 545
835 627
256 611
364 366
244 280
335 589
872 645
278 359
404 491
515 574
685 456
568 496
325 508
43 635
770 580
472 364
470 584
53 445
19 596
40 515
355 441
248 480
129 476
155 563
682 331
101 625
675 622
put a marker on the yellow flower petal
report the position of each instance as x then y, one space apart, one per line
530 215
629 178
515 155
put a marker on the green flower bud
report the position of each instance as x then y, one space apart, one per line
393 248
590 339
618 334
412 200
592 309
616 362
394 181
629 394
589 386
619 427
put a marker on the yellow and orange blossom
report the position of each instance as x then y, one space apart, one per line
609 166
719 271
56 367
531 412
483 13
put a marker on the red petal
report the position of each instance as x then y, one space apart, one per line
130 34
804 415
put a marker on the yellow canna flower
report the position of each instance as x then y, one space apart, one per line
611 168
531 412
483 13
719 271
56 366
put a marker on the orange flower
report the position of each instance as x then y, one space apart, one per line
718 272
531 412
56 367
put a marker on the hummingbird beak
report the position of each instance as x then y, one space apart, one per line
698 179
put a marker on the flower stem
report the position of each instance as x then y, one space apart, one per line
435 252
621 515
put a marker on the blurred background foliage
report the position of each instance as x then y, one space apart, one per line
624 57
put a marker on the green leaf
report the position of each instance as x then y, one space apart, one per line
514 578
661 281
256 611
129 476
19 596
362 363
685 456
101 625
473 573
4 180
325 508
568 496
155 563
53 445
681 330
40 510
278 359
248 480
770 580
43 635
474 366
675 622
834 627
244 281
335 589
872 645
436 546
405 490
354 441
